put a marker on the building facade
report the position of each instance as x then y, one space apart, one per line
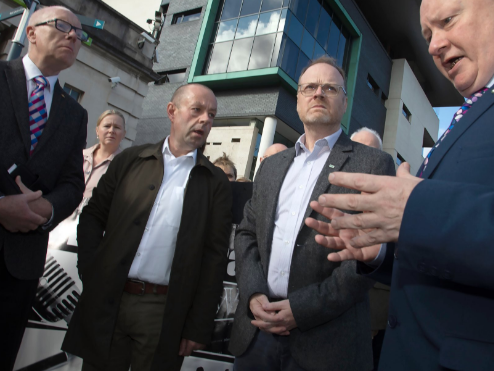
251 54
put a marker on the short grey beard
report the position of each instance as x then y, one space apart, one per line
320 120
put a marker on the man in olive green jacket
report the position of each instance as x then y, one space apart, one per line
154 237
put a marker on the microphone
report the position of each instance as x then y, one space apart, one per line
57 294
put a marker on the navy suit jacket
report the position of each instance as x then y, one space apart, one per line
441 312
57 160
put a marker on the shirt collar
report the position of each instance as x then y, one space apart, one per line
326 141
32 71
167 151
490 82
88 152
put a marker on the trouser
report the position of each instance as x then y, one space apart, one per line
16 301
136 335
267 352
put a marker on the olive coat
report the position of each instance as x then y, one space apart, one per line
109 233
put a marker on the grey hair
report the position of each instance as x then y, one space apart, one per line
372 131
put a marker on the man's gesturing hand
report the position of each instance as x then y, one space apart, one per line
188 346
339 239
383 202
274 318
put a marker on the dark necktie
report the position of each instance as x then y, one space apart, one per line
457 116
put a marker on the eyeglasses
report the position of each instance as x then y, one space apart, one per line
66 27
310 89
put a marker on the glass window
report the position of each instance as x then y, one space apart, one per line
334 37
276 51
295 29
171 77
312 16
246 27
226 30
268 22
341 47
281 26
303 61
299 8
219 58
239 58
308 43
286 3
271 4
261 51
188 16
73 92
323 28
318 51
290 57
231 9
250 7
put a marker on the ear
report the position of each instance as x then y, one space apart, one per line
30 34
171 108
346 103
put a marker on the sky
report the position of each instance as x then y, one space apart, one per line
445 115
138 11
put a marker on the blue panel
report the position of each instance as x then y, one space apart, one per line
231 9
303 61
290 58
271 4
250 7
323 27
308 43
312 16
295 29
299 8
334 37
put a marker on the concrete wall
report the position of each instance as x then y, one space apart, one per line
402 136
241 153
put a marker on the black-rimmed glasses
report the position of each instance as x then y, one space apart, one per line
66 27
310 89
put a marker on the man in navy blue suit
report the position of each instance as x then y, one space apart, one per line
432 236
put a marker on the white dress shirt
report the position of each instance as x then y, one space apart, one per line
292 203
33 71
376 263
154 257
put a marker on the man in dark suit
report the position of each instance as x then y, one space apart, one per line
43 132
438 226
312 315
153 245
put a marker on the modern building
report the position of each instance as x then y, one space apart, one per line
116 51
251 53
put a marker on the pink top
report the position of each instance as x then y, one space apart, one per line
92 174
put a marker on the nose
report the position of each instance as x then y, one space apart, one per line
319 92
438 43
72 34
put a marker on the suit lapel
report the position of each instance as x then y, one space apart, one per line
58 111
470 117
337 158
16 79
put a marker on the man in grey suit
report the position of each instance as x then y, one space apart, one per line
42 134
313 314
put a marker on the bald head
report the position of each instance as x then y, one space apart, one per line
368 137
50 49
184 90
273 149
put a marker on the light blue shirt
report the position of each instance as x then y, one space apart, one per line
292 203
154 257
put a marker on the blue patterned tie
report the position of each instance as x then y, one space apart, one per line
458 115
37 111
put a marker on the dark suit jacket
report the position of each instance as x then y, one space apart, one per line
57 160
442 293
329 300
119 208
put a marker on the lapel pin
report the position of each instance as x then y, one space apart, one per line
63 96
331 166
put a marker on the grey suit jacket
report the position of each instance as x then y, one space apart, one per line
329 300
57 160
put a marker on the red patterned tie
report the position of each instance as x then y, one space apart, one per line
458 115
37 110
